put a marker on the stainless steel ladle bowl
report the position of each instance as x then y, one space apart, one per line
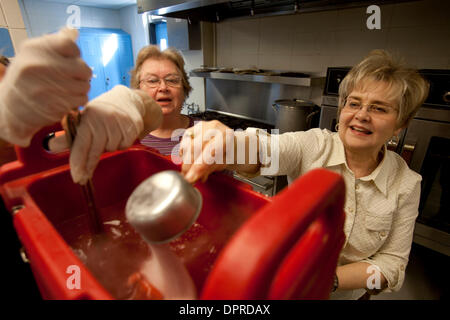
163 206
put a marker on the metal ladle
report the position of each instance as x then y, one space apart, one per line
163 207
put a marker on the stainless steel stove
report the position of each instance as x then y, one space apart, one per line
233 121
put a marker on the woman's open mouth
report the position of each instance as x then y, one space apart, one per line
360 130
164 101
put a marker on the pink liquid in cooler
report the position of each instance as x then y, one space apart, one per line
123 263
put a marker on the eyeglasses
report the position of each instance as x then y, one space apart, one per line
353 105
155 82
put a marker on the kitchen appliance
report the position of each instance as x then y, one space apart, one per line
50 216
424 145
294 114
232 120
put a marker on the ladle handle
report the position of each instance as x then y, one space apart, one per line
72 120
168 274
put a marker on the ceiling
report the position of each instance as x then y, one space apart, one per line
106 4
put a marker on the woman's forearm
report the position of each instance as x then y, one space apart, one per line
246 156
355 275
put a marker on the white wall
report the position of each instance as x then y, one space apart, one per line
194 59
11 18
136 25
43 17
310 42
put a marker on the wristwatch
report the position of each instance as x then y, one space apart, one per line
335 283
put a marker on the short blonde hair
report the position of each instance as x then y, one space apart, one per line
153 52
409 87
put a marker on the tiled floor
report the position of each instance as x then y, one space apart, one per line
427 277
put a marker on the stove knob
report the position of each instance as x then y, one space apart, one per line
446 96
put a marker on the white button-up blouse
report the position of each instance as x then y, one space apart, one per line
380 208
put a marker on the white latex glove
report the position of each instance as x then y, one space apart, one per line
44 82
112 121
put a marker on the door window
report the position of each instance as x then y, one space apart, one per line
435 197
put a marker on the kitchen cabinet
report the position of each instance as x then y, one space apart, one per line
109 54
183 34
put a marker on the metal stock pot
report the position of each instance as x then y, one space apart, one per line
294 114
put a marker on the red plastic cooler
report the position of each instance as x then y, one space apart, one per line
243 246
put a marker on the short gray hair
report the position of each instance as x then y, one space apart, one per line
408 86
153 52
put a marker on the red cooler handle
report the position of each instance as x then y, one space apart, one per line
251 261
307 271
34 158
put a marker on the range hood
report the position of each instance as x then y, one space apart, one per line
219 10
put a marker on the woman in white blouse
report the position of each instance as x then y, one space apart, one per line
377 99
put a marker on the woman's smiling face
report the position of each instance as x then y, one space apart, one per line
170 98
367 128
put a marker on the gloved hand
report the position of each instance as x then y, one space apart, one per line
112 121
45 81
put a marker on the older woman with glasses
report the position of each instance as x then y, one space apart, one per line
378 98
161 74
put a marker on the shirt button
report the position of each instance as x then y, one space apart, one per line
382 233
402 267
357 187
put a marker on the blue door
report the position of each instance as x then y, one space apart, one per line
109 44
126 59
109 54
90 52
